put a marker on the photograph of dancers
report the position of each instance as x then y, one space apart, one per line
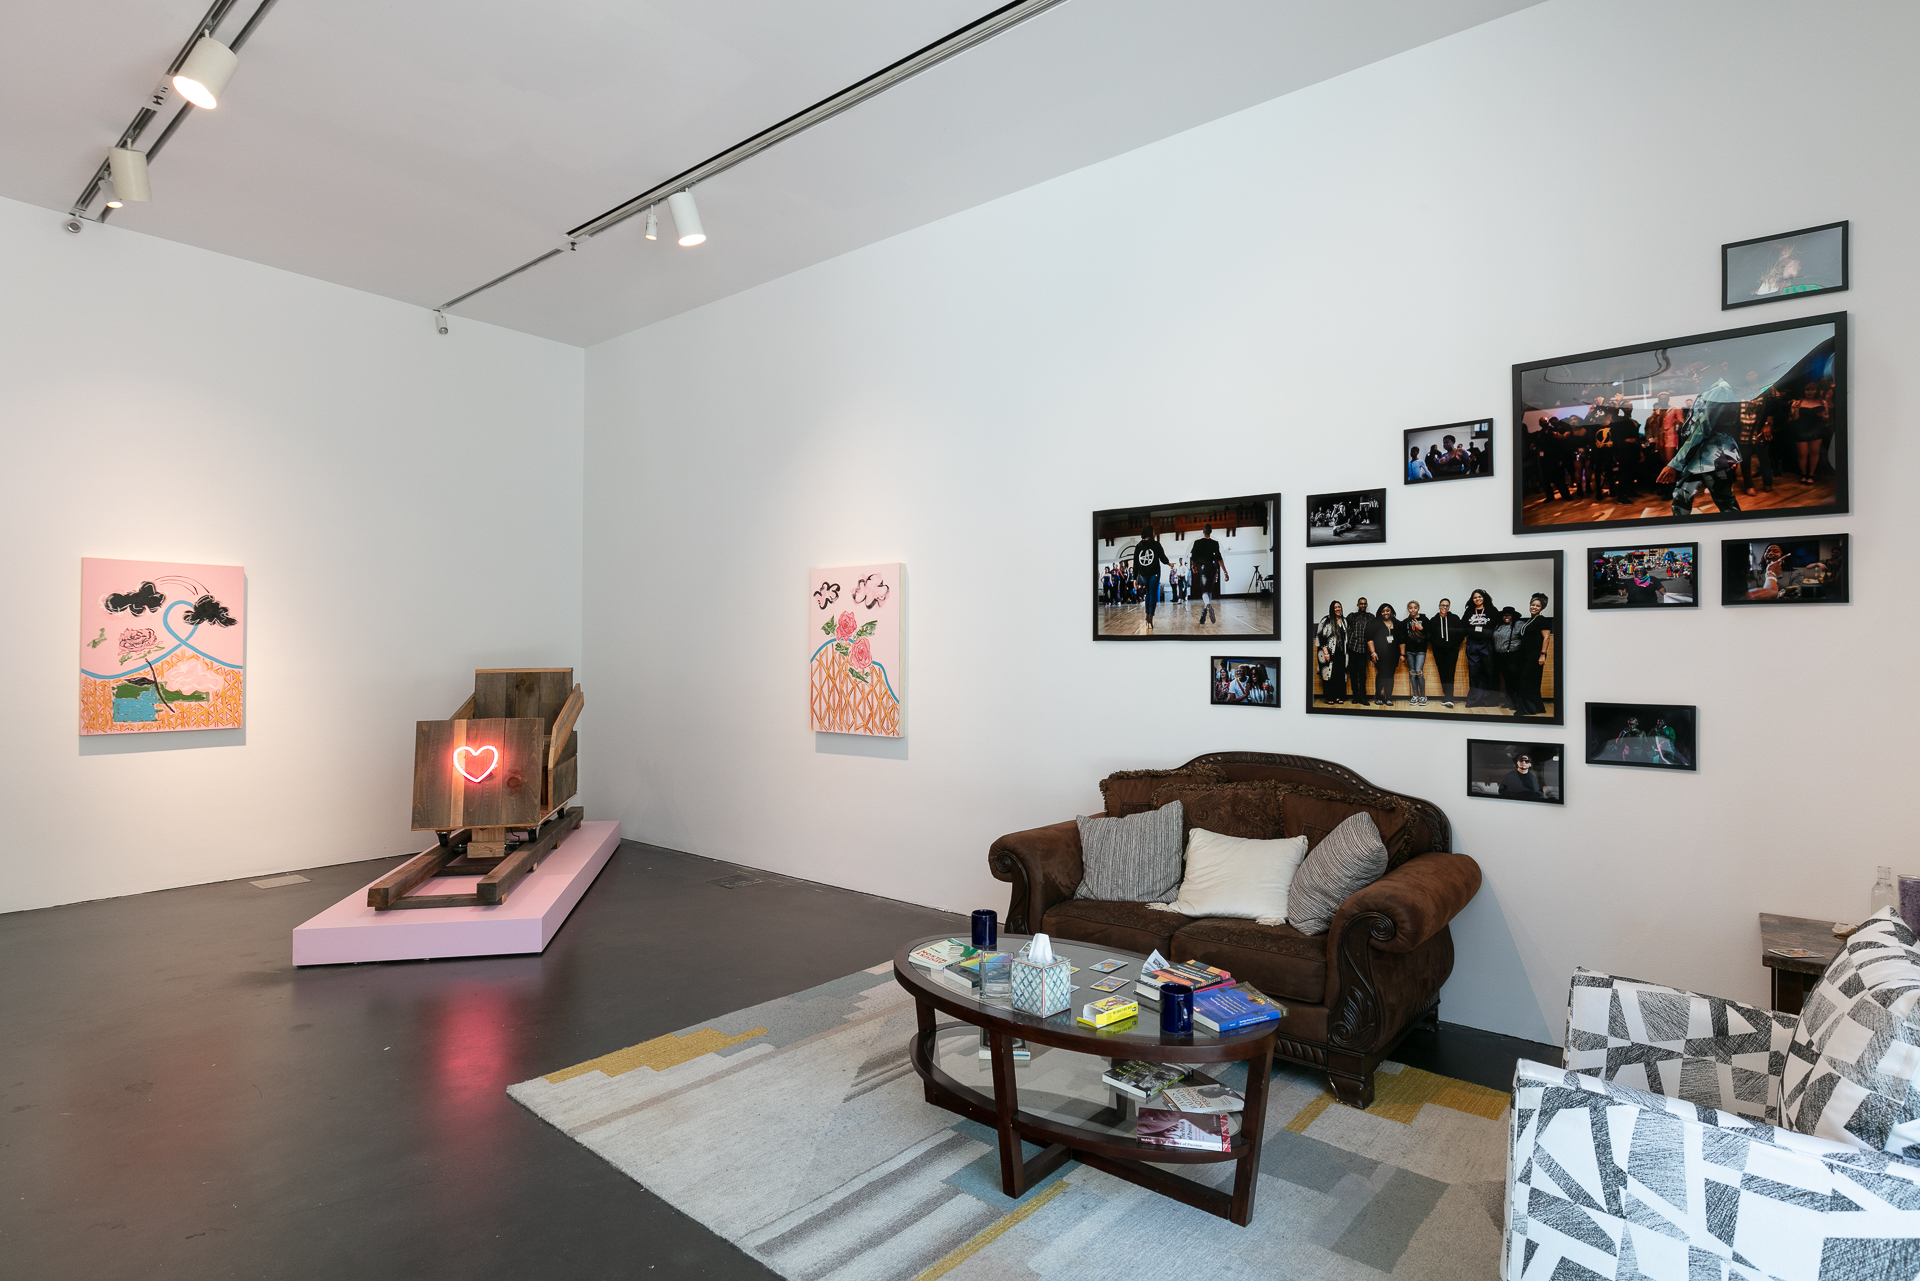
1784 571
1796 264
1728 426
1642 577
1192 571
1515 771
1487 647
1451 451
1645 735
1356 516
1244 682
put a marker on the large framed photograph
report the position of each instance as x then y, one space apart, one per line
1353 516
1785 571
1728 426
1187 571
1663 577
1510 771
1795 264
1475 638
1451 451
1244 682
1646 735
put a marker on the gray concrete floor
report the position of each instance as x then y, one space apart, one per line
176 1100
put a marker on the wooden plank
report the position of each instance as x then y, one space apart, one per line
497 884
466 711
562 781
434 797
563 724
513 693
418 870
487 843
509 795
434 900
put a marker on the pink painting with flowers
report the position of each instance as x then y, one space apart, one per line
856 682
163 646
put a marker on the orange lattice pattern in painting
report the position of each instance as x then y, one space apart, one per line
219 708
845 704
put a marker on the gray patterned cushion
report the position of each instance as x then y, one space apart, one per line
1350 858
1135 859
1853 1068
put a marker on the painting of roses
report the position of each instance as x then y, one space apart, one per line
162 646
855 678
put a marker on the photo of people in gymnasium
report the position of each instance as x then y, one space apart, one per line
1356 516
1647 735
1442 637
1515 771
1194 571
1728 426
1642 577
1451 451
1246 682
1784 571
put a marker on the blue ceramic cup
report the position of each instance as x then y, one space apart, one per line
1176 1009
986 928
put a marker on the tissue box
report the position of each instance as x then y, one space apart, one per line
1042 989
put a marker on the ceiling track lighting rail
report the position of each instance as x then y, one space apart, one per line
950 45
215 62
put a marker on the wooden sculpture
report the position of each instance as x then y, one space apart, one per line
492 782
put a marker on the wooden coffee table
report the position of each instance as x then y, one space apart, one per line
1069 1124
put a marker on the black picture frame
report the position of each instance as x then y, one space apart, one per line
1473 430
1254 606
1489 759
1427 579
1819 250
1338 507
1608 591
1608 741
1557 418
1224 666
1819 571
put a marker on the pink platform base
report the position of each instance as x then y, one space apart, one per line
351 931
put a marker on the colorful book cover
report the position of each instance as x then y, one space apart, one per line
1168 1128
1229 1009
1143 1080
1108 1010
1210 1097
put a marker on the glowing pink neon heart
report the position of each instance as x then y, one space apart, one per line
461 754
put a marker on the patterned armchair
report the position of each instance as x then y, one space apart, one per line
1656 1154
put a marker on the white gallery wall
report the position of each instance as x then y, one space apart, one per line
407 508
1265 303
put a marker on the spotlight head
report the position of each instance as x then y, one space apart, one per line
440 320
653 226
203 77
686 218
73 225
128 170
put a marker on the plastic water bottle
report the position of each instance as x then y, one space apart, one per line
1883 894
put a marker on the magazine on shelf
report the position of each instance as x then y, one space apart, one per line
1192 1096
1168 1128
1141 1080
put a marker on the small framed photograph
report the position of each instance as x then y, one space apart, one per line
1663 577
1795 264
1511 771
1644 735
1784 571
1244 682
1188 571
1356 516
1451 451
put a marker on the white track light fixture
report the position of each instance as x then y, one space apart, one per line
129 170
686 218
203 77
653 226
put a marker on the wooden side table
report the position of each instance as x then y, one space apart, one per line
1794 976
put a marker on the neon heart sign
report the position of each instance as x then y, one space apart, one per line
463 755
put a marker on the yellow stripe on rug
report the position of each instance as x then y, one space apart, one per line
1399 1096
661 1053
993 1232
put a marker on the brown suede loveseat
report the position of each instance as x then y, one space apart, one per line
1352 993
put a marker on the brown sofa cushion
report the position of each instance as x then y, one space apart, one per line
1251 810
1277 959
1125 927
1130 791
1313 812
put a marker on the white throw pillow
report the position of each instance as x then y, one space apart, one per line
1233 876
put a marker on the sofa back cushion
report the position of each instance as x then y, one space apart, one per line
1250 811
1853 1067
1411 833
1130 791
1313 812
1349 859
1135 859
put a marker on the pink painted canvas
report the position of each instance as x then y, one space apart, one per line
854 636
162 646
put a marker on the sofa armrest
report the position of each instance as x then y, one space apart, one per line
1416 900
1043 864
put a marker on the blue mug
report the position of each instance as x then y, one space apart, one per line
1176 1009
986 928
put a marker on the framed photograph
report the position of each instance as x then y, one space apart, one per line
1187 571
1784 571
1795 264
1356 516
1474 638
1511 771
1736 425
1664 577
1451 451
1646 735
1244 682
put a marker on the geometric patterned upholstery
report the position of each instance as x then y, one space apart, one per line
1853 1068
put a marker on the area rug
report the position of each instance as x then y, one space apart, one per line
798 1131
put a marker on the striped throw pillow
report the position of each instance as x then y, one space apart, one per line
1350 858
1135 859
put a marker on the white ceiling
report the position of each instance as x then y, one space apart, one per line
417 150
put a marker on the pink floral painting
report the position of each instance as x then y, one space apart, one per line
856 681
162 646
